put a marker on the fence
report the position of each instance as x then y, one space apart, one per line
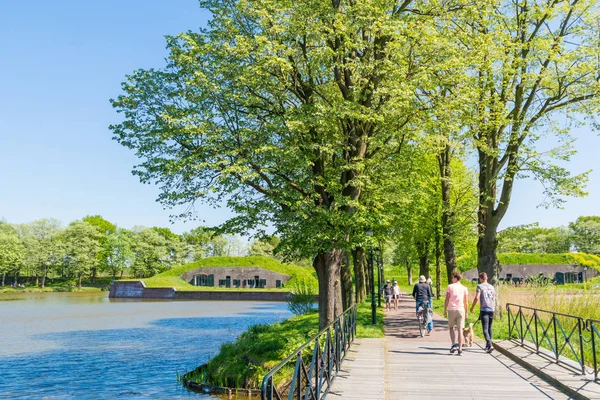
315 363
566 336
593 326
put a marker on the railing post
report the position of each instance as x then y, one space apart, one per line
555 336
509 318
317 373
581 345
522 337
537 340
593 333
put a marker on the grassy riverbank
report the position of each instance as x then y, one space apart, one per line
61 285
243 364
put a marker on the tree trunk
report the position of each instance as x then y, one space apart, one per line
44 274
487 261
79 280
93 275
328 268
359 258
17 278
122 272
347 288
438 264
409 272
3 278
367 276
444 159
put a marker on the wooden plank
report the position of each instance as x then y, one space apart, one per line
405 366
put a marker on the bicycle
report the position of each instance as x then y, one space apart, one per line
423 319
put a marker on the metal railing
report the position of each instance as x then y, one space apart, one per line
316 363
563 334
593 326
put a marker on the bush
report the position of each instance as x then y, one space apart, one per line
302 299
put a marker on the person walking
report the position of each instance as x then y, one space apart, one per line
396 294
456 309
387 294
423 297
486 296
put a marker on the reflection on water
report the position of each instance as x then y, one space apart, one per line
78 346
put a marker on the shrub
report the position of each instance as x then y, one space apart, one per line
302 299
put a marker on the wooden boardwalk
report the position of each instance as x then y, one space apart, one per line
405 366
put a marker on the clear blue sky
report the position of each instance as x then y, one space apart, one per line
60 63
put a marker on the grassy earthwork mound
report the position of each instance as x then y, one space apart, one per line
171 278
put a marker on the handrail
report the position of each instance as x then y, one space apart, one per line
314 383
546 330
593 326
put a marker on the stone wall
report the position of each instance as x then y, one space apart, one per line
126 289
138 290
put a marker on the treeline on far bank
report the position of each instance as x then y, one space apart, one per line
93 248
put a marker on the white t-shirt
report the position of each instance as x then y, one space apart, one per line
396 290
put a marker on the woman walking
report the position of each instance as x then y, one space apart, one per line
396 294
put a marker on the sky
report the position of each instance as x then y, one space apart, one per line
61 62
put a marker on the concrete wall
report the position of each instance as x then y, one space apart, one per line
125 289
138 290
241 273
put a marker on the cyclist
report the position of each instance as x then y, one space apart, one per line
423 297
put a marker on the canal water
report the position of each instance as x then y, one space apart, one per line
85 346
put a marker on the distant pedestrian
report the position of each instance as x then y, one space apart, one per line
456 310
387 294
396 294
423 297
486 295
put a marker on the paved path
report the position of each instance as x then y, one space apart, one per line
405 366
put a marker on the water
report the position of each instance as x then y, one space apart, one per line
85 346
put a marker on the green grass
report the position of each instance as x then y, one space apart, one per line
170 278
243 364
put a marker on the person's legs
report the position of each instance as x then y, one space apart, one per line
451 323
485 325
460 324
490 328
430 324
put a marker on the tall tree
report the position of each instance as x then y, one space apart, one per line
275 109
120 256
586 234
82 246
43 247
536 60
534 239
105 228
151 253
11 250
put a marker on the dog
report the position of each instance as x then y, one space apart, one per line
468 335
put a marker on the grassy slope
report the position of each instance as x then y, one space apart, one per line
243 364
170 278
